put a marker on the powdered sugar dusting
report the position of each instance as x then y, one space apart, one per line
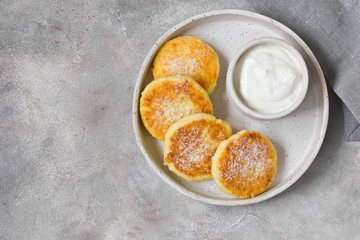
171 100
187 56
183 65
248 164
194 144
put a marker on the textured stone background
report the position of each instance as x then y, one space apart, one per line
69 164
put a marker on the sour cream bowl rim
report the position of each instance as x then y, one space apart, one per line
235 96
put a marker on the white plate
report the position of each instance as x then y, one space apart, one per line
296 137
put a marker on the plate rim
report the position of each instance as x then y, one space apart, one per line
136 118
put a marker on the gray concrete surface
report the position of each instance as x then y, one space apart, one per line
69 164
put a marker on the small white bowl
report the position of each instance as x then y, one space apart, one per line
233 87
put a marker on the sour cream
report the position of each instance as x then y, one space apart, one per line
271 78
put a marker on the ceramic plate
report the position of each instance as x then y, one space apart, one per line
296 137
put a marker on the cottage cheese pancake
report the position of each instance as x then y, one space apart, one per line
190 56
245 164
166 100
191 143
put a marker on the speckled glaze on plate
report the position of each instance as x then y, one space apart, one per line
296 137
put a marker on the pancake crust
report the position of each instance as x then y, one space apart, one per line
245 164
191 143
189 56
166 100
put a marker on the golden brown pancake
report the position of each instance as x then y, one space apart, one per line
245 164
189 56
166 100
191 143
